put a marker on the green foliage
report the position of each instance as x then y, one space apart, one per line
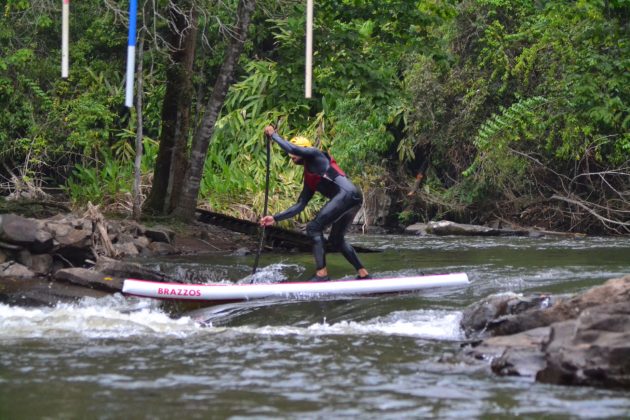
543 85
407 217
493 90
500 165
105 182
234 175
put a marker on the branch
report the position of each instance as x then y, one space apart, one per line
599 217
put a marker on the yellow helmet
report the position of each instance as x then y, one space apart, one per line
301 141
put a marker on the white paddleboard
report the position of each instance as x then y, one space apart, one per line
236 292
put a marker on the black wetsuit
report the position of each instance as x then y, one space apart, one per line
322 174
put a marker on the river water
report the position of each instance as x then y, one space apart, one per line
385 357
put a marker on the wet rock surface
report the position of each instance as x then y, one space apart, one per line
577 340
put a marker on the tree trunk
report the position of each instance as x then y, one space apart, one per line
187 202
171 160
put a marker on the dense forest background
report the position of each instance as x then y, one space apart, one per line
476 110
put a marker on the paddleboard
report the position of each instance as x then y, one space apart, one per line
298 290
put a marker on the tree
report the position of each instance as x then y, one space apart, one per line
187 200
176 110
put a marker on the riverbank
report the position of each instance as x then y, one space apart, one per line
67 256
64 256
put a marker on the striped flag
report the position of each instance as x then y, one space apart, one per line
131 52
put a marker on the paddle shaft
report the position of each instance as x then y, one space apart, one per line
262 233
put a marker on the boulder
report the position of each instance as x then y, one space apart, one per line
483 315
12 269
593 350
160 234
446 227
39 263
518 354
90 278
162 248
141 242
125 269
611 292
39 291
28 233
416 229
126 249
65 234
578 340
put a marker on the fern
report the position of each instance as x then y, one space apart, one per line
516 116
38 92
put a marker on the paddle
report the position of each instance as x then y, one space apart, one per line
262 233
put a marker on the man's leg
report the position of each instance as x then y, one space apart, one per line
338 240
315 230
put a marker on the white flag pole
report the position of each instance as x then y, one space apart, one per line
309 49
65 37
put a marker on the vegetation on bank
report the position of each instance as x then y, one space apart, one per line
512 110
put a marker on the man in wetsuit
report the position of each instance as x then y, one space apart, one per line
322 174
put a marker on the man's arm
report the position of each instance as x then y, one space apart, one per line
303 199
289 147
292 149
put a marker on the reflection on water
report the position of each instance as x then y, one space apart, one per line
376 357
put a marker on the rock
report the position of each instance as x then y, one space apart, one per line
611 292
126 249
160 234
593 350
23 256
90 278
241 252
124 237
68 235
39 263
579 340
58 228
38 292
477 315
12 269
25 232
445 227
416 229
162 248
484 314
130 270
141 242
518 354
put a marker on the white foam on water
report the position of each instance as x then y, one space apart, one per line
121 317
428 324
112 317
273 273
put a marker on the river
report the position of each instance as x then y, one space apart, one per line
381 357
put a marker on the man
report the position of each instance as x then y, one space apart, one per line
322 174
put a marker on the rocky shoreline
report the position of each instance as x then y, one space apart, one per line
67 256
